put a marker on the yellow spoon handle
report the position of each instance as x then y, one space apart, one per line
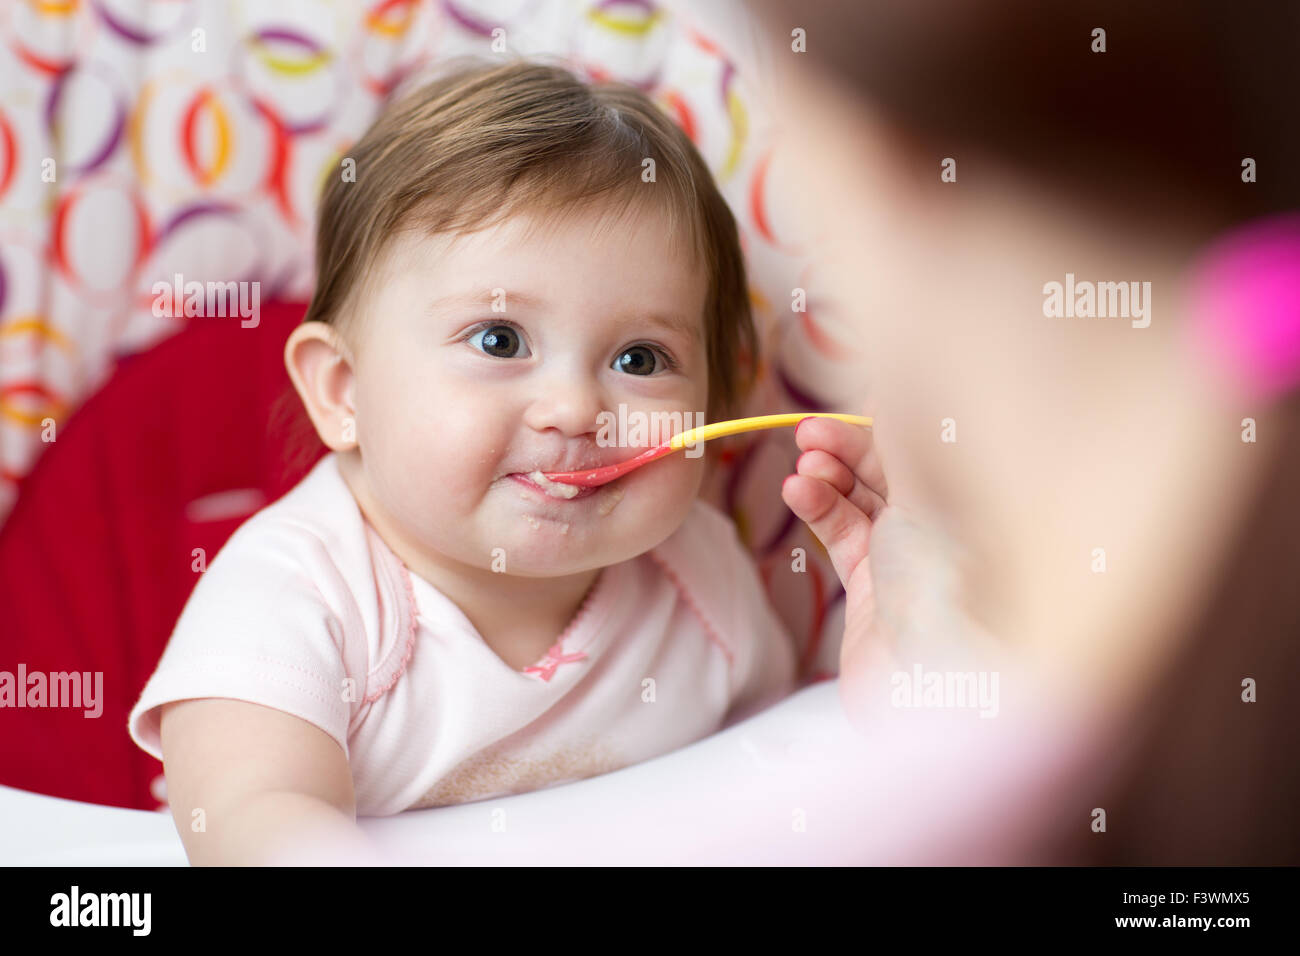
720 429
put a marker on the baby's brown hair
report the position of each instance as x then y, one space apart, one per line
486 140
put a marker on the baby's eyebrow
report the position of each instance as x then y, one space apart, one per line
671 321
486 297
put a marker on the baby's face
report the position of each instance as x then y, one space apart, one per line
456 403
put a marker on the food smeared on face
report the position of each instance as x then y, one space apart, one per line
556 489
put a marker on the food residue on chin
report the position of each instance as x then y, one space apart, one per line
556 489
533 522
564 528
610 497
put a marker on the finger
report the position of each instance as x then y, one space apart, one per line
852 444
841 527
820 464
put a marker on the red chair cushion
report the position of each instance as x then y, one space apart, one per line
182 444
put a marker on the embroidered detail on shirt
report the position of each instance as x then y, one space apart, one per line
404 610
496 771
545 668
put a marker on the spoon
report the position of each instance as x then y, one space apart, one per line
600 476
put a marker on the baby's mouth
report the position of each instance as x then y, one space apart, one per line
552 489
606 497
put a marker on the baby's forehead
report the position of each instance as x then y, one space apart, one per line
529 255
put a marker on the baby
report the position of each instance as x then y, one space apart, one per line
424 620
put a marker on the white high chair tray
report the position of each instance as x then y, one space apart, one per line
673 809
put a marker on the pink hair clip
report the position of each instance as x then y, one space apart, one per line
1246 305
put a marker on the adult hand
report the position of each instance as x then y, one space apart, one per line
839 490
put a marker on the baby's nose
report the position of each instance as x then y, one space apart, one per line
569 403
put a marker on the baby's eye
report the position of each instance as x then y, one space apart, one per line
500 341
640 360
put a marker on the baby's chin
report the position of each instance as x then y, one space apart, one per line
537 545
539 535
549 555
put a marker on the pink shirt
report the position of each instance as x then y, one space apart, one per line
307 610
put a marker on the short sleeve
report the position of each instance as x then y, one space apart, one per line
265 624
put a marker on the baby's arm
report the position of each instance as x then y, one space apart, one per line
274 789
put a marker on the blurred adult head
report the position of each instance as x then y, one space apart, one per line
1070 155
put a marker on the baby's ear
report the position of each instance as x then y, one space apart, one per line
321 372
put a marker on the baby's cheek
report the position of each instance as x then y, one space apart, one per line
420 475
437 483
663 493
